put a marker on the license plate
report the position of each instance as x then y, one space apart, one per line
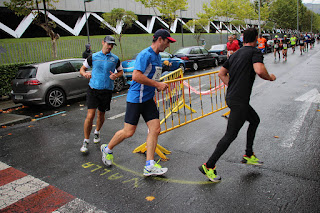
18 97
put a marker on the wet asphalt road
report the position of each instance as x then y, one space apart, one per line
287 141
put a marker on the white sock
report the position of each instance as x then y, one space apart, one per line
86 140
150 164
107 150
96 132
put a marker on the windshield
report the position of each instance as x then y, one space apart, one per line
182 51
217 47
26 72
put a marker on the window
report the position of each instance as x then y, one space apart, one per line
195 51
26 72
77 64
204 51
61 67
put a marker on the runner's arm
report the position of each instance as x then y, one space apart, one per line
223 75
140 78
261 70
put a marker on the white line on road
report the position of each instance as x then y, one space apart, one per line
117 116
293 133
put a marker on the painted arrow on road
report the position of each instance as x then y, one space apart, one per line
313 96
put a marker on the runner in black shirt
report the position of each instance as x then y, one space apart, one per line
239 72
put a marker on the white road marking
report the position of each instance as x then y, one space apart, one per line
117 116
76 206
18 189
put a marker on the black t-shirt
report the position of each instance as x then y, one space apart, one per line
241 73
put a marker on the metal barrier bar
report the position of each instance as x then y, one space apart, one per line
176 104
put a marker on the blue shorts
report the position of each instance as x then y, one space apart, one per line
147 109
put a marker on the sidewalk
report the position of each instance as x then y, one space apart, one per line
8 119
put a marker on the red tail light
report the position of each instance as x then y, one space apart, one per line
185 58
32 82
221 53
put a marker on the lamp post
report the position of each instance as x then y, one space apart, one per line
85 12
311 14
297 16
181 26
259 18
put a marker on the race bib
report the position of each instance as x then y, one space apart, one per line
260 45
285 46
276 46
301 41
157 74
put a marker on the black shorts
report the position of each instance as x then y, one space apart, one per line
147 109
99 99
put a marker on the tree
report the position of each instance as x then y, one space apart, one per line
122 17
25 7
219 9
198 26
283 13
167 8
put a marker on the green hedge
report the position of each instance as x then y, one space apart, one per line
7 74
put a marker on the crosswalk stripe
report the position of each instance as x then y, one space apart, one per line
47 199
76 206
20 192
18 189
10 174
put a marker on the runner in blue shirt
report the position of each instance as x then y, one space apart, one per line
147 71
99 94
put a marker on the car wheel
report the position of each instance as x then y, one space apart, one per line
181 66
118 84
55 98
195 66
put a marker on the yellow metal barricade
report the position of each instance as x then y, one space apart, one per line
187 99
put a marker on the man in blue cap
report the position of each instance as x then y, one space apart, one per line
99 94
146 74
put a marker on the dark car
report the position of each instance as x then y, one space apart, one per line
221 51
197 57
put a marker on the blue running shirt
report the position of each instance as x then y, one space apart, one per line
147 62
101 65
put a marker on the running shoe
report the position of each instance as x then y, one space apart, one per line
84 148
96 138
154 171
253 160
210 173
107 158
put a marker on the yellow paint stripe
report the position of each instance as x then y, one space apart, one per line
165 179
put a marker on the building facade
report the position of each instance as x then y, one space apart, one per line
70 18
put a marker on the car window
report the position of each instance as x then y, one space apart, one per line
164 55
217 47
26 72
77 64
195 50
61 67
182 51
204 51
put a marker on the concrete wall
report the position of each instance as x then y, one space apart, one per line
194 6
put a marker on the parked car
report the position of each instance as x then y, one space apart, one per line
50 83
221 51
128 65
197 57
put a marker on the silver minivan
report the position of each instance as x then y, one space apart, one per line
50 83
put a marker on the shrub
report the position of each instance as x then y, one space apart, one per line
7 74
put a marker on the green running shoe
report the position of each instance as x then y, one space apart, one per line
210 173
253 160
107 158
155 170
